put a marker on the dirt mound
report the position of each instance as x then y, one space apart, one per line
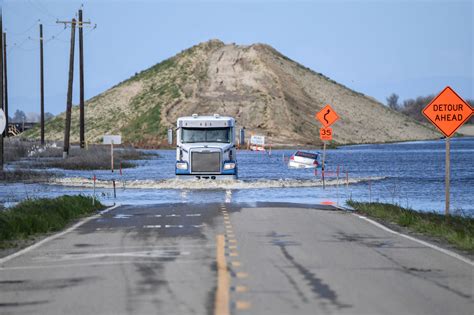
265 91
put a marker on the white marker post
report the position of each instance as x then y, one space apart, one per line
3 122
112 156
112 139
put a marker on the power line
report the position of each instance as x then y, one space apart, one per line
54 37
91 30
25 31
42 8
18 46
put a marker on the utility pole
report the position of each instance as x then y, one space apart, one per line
41 83
67 128
5 82
1 86
81 83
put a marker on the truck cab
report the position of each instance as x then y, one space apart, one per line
206 147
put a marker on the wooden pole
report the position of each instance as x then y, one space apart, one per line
5 81
1 88
81 84
112 156
447 177
41 84
67 128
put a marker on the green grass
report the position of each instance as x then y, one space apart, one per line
456 230
147 124
33 217
151 72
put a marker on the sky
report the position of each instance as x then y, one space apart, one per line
412 48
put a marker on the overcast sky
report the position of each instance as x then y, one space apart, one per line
411 48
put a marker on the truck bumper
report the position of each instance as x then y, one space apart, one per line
206 176
225 174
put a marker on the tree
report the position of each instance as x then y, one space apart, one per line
32 117
414 107
392 102
48 116
19 116
471 102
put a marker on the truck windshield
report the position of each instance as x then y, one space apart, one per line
190 135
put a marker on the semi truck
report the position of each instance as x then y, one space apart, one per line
205 147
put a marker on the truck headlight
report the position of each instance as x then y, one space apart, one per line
182 165
229 166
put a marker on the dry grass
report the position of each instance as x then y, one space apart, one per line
15 149
95 158
24 175
30 154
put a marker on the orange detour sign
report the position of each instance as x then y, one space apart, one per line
448 111
327 116
325 134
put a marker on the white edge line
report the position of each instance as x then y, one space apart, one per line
52 237
432 246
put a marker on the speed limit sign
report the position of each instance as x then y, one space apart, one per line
325 134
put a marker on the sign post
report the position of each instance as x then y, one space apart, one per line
327 116
112 139
447 111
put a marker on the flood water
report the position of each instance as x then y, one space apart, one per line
410 174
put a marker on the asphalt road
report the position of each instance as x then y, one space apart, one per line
242 259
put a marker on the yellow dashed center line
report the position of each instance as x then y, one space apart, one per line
242 305
221 303
241 289
222 299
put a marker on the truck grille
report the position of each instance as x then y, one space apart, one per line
206 162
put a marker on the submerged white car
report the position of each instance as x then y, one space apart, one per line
302 159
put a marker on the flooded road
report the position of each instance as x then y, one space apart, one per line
218 258
410 174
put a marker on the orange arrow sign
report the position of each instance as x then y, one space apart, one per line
448 111
327 116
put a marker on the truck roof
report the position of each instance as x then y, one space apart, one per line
196 121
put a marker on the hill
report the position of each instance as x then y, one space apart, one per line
265 91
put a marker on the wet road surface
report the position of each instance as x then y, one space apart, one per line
233 258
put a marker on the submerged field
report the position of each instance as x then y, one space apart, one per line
410 174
